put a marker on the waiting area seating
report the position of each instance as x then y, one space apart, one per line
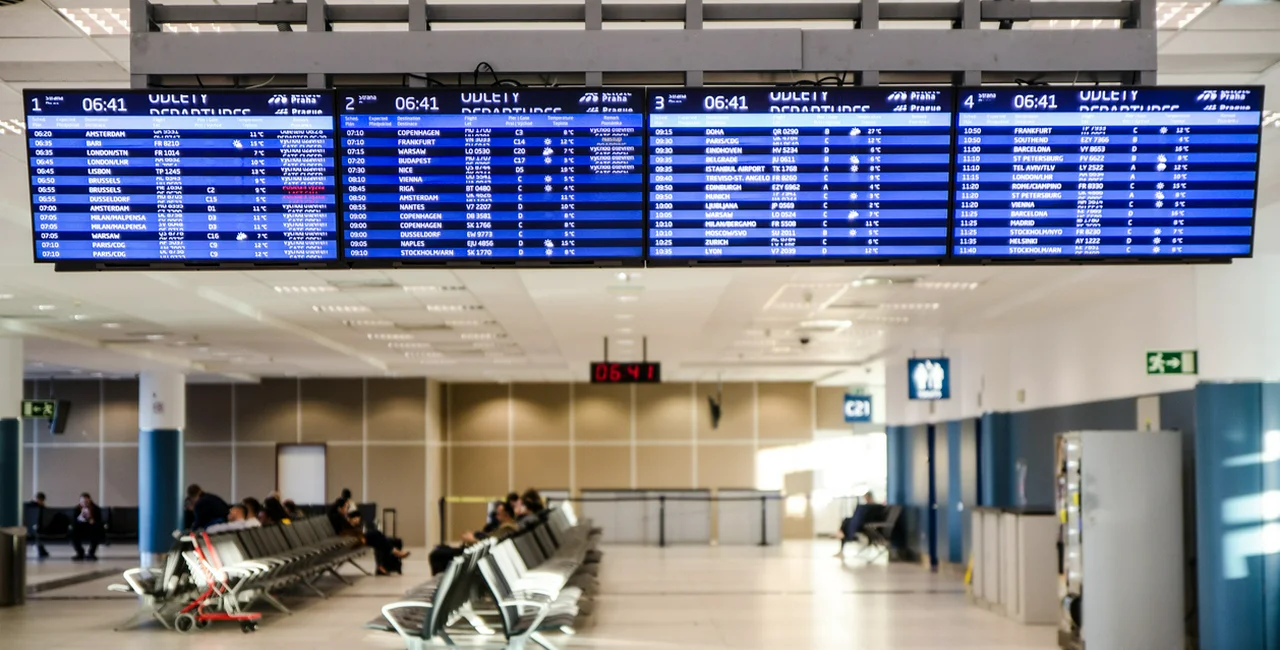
541 579
230 571
53 524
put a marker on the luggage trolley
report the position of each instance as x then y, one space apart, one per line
219 601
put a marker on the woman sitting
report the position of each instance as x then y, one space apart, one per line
387 551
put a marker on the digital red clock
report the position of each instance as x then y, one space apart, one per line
608 372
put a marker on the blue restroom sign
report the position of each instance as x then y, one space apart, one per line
929 378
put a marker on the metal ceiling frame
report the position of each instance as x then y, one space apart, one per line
969 53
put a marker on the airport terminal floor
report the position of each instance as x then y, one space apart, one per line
699 598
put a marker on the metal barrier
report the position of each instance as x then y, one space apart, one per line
662 500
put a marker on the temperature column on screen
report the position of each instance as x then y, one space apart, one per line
1106 172
785 174
534 175
208 176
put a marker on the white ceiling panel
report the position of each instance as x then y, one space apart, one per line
34 20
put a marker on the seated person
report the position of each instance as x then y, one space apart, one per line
293 510
506 516
87 527
37 525
206 509
338 515
387 551
867 512
237 519
529 507
253 508
273 511
441 555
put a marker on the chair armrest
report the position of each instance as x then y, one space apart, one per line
387 609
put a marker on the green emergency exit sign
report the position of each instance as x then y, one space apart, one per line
1172 363
39 408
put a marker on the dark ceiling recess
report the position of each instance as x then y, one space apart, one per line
5 3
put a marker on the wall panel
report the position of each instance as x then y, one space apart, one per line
665 466
829 408
343 468
478 471
332 409
255 472
602 467
397 480
210 468
601 412
209 414
786 411
397 408
540 412
479 412
664 412
120 476
120 411
542 467
267 412
65 472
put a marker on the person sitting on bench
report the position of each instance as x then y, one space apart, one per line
237 519
35 528
867 512
206 509
387 551
528 508
295 513
87 527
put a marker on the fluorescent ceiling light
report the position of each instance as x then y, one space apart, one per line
154 337
469 323
625 316
480 336
14 126
947 286
98 22
1270 118
6 296
628 298
368 323
389 336
1177 15
423 354
307 288
46 307
111 326
910 306
341 309
432 288
410 345
826 324
624 330
873 318
440 308
626 342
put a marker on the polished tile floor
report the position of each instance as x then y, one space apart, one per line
794 597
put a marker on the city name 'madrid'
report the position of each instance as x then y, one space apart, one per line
478 102
791 101
188 104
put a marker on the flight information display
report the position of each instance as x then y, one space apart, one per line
793 174
1106 172
501 174
194 176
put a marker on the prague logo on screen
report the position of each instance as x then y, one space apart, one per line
929 378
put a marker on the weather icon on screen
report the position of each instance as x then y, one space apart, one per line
237 144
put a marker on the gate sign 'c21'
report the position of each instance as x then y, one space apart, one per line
857 408
929 378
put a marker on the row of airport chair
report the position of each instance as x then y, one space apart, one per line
253 561
539 580
47 524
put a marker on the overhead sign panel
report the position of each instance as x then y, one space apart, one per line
1106 173
798 175
929 379
495 175
857 408
200 176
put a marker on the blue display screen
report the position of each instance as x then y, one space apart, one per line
200 176
506 174
799 174
1106 172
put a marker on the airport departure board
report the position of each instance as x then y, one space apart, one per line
195 176
1106 172
501 174
799 174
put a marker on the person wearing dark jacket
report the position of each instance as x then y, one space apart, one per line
87 527
38 527
206 509
388 552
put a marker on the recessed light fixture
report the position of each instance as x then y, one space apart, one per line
341 309
910 306
368 323
409 345
389 336
46 307
307 288
154 337
17 127
423 354
111 326
624 330
452 307
946 286
469 323
628 298
80 317
432 288
6 296
625 342
826 324
479 336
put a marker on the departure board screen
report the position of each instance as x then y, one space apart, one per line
195 176
540 176
1106 172
816 175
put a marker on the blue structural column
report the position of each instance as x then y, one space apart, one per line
1237 524
10 431
995 448
956 514
162 413
896 475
